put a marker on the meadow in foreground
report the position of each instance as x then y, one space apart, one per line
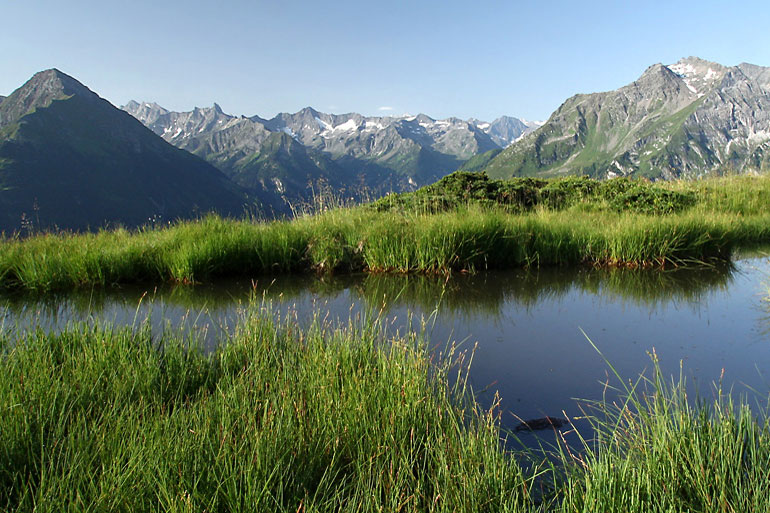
463 223
327 418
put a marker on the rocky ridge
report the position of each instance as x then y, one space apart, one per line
686 119
376 154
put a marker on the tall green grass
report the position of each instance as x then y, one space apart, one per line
280 418
744 195
657 450
357 240
728 214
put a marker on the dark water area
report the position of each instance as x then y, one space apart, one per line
530 326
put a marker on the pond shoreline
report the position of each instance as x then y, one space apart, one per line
358 240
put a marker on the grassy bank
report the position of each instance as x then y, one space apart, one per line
656 452
97 419
582 222
321 419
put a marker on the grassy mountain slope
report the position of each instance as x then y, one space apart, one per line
688 119
591 134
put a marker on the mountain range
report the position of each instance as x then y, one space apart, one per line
353 154
688 119
70 159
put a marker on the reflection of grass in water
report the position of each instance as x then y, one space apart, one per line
470 295
485 293
224 293
482 294
653 287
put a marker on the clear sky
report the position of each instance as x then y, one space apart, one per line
465 58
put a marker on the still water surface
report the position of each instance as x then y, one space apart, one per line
529 325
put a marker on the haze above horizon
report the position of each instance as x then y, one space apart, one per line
451 58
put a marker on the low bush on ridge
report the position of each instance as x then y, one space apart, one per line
524 194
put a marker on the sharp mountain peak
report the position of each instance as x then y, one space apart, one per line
55 82
39 91
689 118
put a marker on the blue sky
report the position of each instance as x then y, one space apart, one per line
444 58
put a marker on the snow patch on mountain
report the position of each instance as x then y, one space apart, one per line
348 126
759 136
370 125
682 68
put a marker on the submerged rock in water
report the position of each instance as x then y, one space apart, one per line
542 423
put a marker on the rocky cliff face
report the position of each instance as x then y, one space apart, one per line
687 119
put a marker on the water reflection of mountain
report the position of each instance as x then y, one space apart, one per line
468 295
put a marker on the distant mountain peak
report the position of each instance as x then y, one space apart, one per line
309 110
657 72
697 62
86 163
39 91
699 75
528 122
383 151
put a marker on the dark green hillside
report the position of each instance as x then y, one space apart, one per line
425 164
479 162
69 159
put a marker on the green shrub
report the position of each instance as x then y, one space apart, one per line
648 199
565 192
611 189
521 192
